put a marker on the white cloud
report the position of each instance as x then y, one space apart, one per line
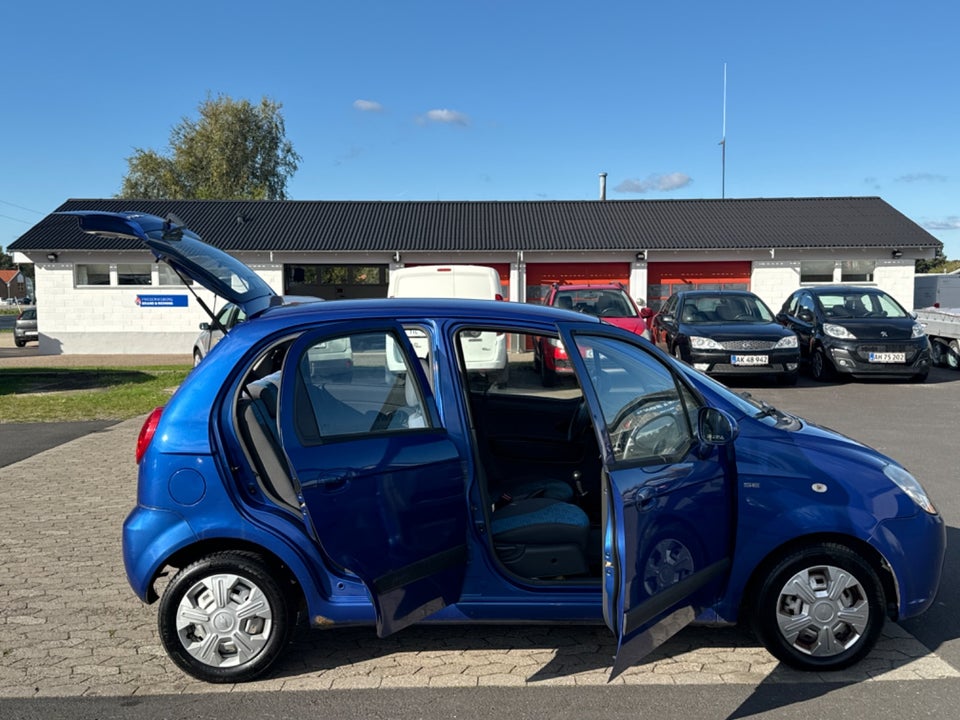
921 177
445 116
367 106
948 223
658 183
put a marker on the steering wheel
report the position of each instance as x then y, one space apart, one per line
665 431
580 422
608 312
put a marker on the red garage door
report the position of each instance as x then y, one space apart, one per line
542 275
664 279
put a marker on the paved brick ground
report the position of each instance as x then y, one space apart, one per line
69 625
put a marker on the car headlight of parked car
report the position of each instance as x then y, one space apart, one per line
911 486
917 331
704 343
838 331
790 341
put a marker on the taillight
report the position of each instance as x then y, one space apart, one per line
147 432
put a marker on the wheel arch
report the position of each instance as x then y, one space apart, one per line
281 570
868 552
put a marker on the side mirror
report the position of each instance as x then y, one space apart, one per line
646 313
715 427
805 315
668 318
204 326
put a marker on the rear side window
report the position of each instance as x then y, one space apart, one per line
354 386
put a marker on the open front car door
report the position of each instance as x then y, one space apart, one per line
669 489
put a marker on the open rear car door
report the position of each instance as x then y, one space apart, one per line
668 507
383 483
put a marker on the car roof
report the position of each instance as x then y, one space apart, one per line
439 308
712 293
844 290
589 286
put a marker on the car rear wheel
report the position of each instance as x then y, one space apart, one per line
820 608
20 342
224 618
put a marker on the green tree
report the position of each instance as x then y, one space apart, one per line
6 261
234 151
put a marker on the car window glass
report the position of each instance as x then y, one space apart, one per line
354 390
644 409
806 303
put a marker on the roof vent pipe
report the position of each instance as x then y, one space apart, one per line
603 186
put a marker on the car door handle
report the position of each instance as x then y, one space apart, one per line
644 497
333 481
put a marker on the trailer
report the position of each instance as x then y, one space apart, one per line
942 326
936 290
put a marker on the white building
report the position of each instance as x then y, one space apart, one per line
100 294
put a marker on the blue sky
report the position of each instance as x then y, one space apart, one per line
491 99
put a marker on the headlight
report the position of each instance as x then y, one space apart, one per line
917 331
788 342
908 483
704 343
838 331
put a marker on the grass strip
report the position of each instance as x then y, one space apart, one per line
68 394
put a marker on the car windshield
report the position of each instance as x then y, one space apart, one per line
603 302
725 309
860 305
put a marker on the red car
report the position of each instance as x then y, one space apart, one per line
608 301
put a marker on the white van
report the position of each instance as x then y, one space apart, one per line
484 352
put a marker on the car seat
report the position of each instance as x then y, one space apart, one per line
565 302
541 537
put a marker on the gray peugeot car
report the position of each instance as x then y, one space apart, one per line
25 329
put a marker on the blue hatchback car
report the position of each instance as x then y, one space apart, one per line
637 492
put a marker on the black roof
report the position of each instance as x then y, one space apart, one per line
490 226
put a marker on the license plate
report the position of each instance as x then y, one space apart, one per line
749 360
888 357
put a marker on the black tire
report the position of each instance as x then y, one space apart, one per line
820 367
241 576
841 629
953 355
678 352
548 378
19 342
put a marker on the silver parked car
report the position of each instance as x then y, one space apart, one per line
25 329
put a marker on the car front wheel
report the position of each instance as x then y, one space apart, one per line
224 618
820 367
821 608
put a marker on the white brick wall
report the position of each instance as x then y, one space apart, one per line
101 319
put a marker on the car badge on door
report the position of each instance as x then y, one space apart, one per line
883 333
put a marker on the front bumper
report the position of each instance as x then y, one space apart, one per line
874 359
915 548
745 362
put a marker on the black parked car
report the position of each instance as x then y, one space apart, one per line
726 332
856 331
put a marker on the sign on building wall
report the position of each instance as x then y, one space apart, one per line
162 300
